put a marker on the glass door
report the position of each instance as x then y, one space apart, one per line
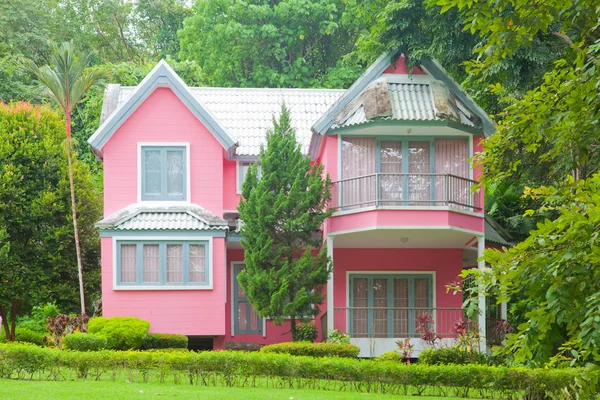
246 319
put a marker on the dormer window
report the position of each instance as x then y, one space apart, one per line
163 173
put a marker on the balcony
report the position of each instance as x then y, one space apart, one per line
396 190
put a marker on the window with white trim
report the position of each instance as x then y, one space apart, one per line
164 174
163 263
242 171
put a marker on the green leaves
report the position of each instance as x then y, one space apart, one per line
284 269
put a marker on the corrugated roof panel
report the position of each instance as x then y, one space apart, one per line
165 221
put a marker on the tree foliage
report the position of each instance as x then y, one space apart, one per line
285 269
284 43
35 212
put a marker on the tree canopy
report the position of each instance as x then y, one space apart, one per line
285 264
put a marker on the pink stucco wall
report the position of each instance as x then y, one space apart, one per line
162 118
404 218
230 196
446 263
187 312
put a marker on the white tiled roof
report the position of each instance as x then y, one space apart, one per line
248 113
168 217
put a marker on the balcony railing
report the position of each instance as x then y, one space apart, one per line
402 190
398 322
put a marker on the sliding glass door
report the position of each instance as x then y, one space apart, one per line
385 305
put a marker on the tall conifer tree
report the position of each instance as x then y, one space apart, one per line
286 267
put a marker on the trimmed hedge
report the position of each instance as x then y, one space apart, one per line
121 333
392 355
164 341
240 368
452 355
313 349
84 342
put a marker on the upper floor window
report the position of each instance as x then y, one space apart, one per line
163 263
242 170
164 174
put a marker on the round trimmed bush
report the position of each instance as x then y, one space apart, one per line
84 342
121 333
452 355
392 355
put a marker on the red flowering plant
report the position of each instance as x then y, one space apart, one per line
425 328
64 324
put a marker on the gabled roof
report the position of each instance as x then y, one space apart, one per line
167 217
437 97
247 113
495 234
161 76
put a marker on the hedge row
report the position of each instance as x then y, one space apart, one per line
313 349
241 369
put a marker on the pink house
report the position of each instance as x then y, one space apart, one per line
406 221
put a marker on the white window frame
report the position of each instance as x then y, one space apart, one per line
188 171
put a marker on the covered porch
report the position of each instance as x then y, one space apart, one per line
389 284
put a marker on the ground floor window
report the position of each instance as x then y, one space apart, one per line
245 320
385 305
163 263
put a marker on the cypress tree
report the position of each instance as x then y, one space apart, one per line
286 264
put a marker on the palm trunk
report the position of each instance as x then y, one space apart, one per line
73 208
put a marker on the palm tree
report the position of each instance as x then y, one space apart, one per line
65 81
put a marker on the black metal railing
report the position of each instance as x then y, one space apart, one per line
401 190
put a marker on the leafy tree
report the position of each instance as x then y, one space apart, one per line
544 135
284 272
66 80
36 243
284 43
159 21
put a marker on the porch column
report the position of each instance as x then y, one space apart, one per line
330 286
504 311
481 296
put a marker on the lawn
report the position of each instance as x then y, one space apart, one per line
43 390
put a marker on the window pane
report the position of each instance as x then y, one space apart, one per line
401 301
151 263
175 173
419 162
174 263
360 301
358 161
242 316
128 262
197 263
152 168
391 169
380 298
422 293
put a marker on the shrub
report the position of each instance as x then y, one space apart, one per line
313 349
452 355
336 336
37 320
24 335
392 355
121 333
84 342
306 332
240 369
63 324
164 341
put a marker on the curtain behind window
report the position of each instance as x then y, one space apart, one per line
358 161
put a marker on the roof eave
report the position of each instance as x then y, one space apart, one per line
161 76
407 122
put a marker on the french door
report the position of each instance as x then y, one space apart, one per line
385 305
246 320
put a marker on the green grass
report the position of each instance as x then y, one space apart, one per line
43 390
